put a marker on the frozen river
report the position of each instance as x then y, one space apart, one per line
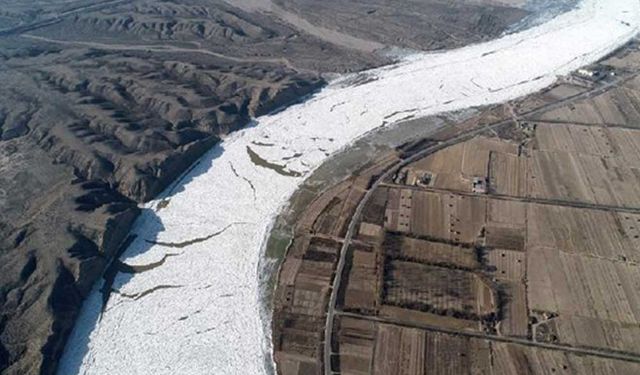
199 312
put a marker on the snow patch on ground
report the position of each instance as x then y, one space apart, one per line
199 313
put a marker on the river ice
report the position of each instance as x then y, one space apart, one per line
199 313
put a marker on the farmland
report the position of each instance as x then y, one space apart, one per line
506 243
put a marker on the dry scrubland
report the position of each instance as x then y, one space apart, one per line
512 251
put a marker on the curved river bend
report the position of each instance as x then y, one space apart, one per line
200 312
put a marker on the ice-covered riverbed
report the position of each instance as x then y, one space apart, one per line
199 312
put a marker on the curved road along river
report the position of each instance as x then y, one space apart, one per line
200 311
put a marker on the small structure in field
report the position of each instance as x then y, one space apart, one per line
480 185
